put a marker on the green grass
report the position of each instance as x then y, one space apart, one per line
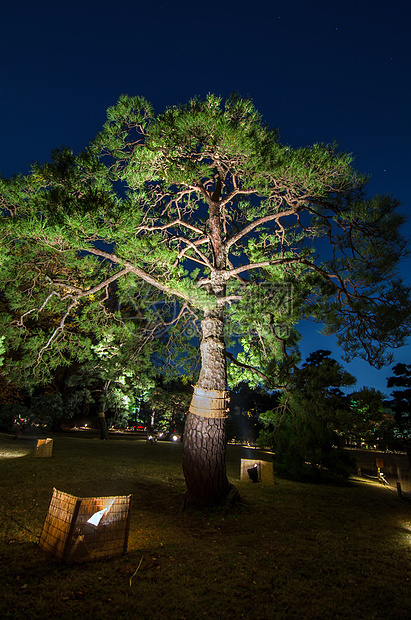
292 551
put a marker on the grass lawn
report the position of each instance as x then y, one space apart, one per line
292 550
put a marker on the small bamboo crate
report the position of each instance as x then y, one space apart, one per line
78 529
43 448
265 471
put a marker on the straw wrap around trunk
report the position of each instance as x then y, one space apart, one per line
210 403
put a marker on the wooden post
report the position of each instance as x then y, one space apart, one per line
69 540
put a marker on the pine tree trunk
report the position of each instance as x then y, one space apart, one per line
204 441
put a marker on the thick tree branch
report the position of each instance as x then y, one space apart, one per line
260 265
173 224
261 220
232 359
94 289
79 292
140 273
193 245
234 193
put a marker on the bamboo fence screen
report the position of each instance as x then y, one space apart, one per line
79 529
43 448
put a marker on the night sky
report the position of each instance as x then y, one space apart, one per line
319 70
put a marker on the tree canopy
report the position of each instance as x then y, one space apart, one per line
145 188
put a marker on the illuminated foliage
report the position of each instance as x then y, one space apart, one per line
368 405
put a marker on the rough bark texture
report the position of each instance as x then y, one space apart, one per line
204 441
213 374
204 460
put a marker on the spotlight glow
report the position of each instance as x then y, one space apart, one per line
13 454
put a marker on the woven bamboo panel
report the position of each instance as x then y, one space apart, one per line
264 468
43 448
210 403
79 529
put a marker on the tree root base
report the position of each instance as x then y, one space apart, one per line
228 502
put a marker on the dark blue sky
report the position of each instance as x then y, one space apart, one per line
319 70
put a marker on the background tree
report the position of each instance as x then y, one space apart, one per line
204 207
246 406
116 379
91 367
308 425
401 404
169 402
370 412
9 392
12 398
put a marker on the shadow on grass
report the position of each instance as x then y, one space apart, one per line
306 551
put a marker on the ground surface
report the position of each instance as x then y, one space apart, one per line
292 550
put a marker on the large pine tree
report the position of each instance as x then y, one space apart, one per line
201 206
